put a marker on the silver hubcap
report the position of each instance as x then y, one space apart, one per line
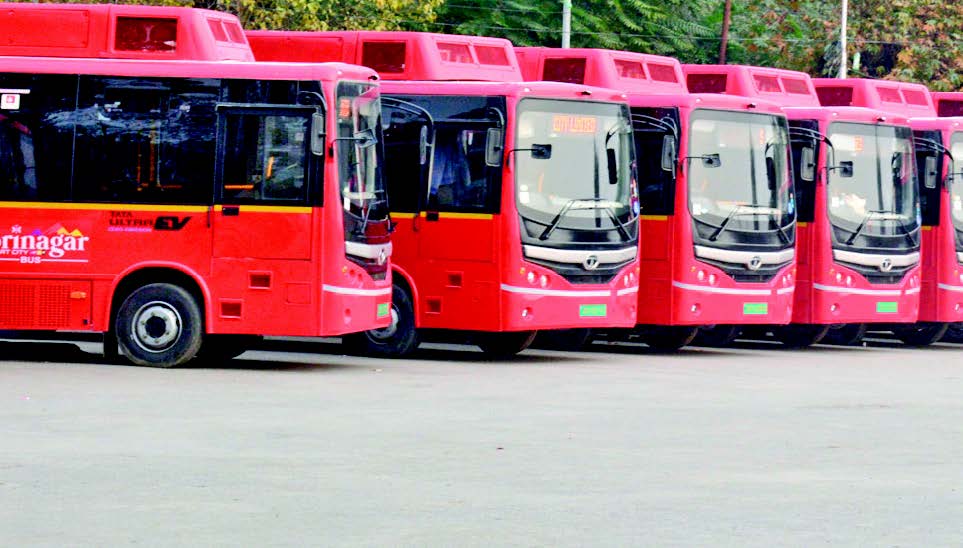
381 335
157 326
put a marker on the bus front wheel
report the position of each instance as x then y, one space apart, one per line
669 338
397 340
159 325
850 334
504 344
921 333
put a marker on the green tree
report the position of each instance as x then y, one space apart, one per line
665 27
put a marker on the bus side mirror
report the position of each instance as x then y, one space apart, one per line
317 134
711 160
930 172
807 164
494 147
612 166
845 169
544 152
668 153
423 146
771 172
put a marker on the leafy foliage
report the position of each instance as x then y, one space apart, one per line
664 27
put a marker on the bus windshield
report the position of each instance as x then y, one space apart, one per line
574 165
359 147
739 172
956 183
872 182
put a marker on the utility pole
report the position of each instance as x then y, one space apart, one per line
566 23
842 40
726 15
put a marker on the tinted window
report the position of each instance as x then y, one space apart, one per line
407 169
265 156
930 184
460 180
805 190
144 140
564 70
656 186
35 138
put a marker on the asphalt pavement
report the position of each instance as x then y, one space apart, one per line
748 446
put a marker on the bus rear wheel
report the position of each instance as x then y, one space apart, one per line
159 325
717 335
504 344
954 333
669 338
566 340
397 340
800 335
849 334
920 333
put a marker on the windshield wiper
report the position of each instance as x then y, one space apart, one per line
880 215
584 204
751 209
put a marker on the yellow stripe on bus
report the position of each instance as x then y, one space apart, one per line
402 215
267 209
803 225
107 207
453 215
654 217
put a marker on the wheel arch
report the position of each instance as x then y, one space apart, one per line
145 274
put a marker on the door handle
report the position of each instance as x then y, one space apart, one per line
231 211
431 215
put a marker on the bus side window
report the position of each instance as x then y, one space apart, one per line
656 185
805 190
403 167
459 179
264 157
35 145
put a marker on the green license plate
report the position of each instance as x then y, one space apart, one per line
884 307
383 309
592 310
755 309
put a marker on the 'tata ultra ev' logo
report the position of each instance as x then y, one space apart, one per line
56 244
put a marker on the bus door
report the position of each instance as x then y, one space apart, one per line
263 220
457 266
408 137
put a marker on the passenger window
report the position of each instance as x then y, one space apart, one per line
144 140
265 157
459 175
405 136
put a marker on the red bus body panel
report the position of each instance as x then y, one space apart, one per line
670 289
267 270
466 270
121 32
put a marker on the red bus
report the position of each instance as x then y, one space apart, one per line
908 223
852 268
717 221
515 203
183 206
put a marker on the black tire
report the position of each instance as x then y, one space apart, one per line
221 348
849 334
504 344
159 325
800 335
920 333
954 333
565 340
395 341
669 338
717 335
